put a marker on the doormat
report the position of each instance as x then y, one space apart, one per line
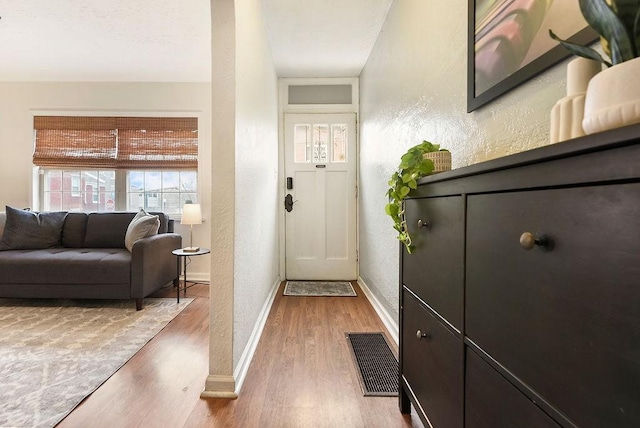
376 364
319 288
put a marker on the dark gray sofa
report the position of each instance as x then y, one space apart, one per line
93 262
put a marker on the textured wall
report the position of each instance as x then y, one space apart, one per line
220 381
256 160
414 88
19 100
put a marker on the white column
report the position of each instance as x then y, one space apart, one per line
220 383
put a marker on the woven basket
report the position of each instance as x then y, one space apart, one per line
441 160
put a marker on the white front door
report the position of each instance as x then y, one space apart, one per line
320 166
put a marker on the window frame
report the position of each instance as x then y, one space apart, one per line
121 190
119 196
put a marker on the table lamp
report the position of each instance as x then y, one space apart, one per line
191 214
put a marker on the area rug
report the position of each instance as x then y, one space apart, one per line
319 288
377 365
54 353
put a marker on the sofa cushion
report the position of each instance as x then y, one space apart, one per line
142 226
74 229
66 266
25 230
107 230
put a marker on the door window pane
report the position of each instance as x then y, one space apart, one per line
339 142
320 137
302 143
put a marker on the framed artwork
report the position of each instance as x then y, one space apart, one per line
509 43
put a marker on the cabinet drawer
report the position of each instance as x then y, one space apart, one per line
566 319
491 401
432 365
435 271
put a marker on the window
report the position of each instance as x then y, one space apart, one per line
313 141
61 190
160 190
111 163
75 184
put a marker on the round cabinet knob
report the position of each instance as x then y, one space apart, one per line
421 335
528 240
423 223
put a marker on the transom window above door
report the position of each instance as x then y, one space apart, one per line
321 143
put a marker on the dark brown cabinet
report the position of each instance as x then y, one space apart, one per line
531 266
430 347
491 401
437 231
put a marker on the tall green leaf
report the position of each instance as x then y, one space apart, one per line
583 51
602 18
628 11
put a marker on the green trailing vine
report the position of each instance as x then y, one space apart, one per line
413 166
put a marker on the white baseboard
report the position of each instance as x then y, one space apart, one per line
242 368
197 277
386 318
219 387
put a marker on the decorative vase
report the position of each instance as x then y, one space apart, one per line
613 98
568 112
441 160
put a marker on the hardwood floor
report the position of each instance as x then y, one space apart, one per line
301 375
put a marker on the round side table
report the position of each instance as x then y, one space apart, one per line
182 254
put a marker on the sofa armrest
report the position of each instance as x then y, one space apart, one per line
152 263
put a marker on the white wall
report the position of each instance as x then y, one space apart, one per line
244 191
19 101
256 174
413 88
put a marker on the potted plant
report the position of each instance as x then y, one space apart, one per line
419 161
613 95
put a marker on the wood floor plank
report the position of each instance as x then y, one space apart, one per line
302 374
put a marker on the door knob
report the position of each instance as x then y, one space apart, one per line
421 335
528 240
423 223
288 202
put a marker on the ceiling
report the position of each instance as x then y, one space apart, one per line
169 41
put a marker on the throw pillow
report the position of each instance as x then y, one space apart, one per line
27 230
142 226
3 219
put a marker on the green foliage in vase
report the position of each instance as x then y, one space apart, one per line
413 166
617 22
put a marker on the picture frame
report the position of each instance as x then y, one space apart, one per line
508 43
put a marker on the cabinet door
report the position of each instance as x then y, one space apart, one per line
434 271
491 401
432 365
564 319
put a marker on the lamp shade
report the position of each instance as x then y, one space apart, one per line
191 214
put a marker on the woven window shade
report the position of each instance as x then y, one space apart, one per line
116 142
157 149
